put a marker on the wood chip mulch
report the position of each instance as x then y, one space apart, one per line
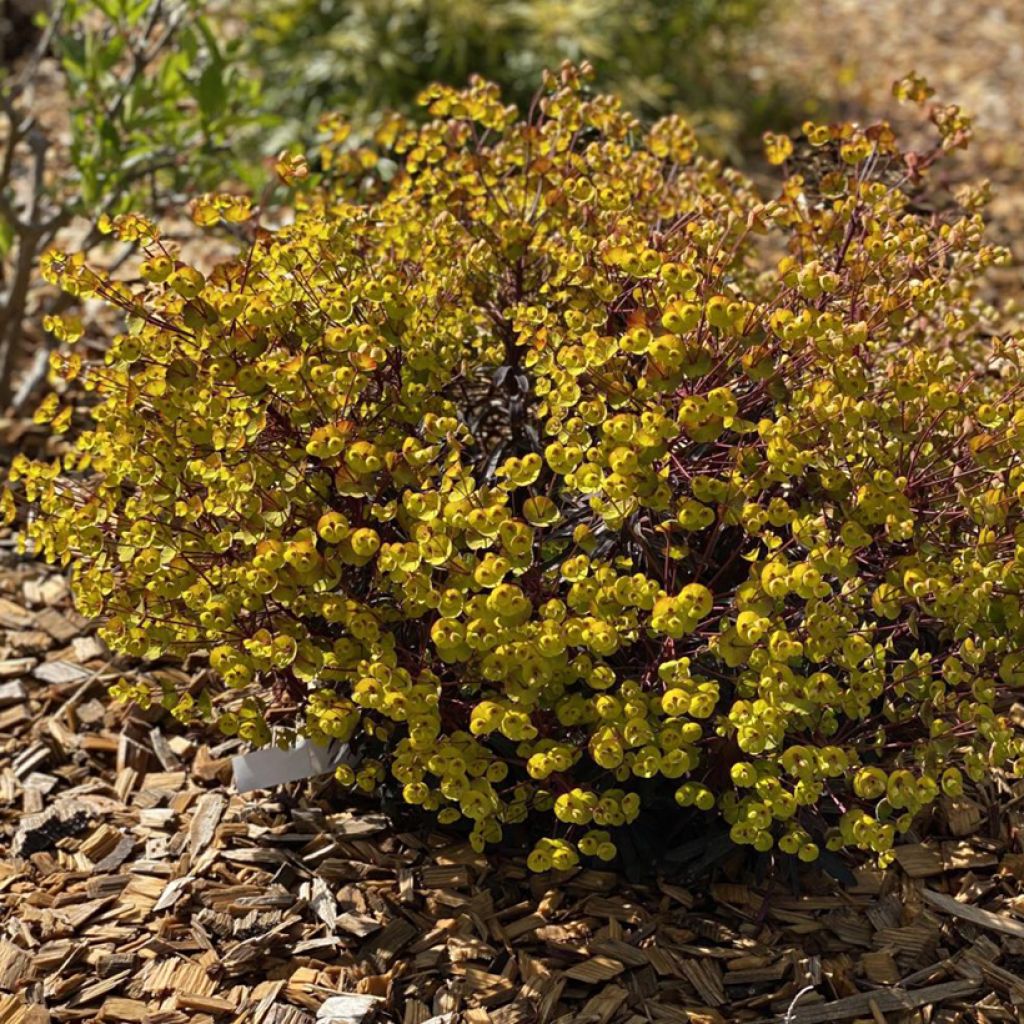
136 885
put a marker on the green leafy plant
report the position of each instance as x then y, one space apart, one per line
152 101
364 56
526 475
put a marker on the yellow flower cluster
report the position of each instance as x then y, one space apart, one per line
561 464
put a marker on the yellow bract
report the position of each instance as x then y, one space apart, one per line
520 473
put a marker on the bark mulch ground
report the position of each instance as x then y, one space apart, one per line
137 885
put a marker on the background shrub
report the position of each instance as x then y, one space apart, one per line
531 477
366 56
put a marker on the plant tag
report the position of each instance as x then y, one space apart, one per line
272 766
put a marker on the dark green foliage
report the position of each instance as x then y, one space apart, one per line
362 56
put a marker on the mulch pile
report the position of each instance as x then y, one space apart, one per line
136 885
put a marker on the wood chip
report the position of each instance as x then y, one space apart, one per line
982 918
204 821
128 1010
886 1000
347 1009
596 969
15 966
919 860
60 672
41 831
12 693
60 627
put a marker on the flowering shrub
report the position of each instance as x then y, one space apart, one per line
564 465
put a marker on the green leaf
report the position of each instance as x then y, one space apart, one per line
72 57
132 10
89 62
211 92
109 8
189 44
6 236
211 41
171 71
108 55
107 131
90 190
204 705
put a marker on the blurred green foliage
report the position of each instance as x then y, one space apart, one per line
153 91
363 56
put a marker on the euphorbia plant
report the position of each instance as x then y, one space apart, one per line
563 465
